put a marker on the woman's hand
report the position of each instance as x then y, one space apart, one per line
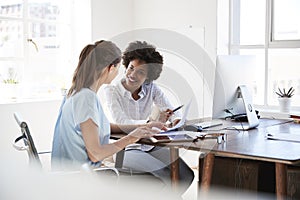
176 121
159 125
165 115
142 132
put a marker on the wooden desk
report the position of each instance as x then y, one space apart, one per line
253 145
250 145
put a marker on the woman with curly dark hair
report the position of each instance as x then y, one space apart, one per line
131 101
143 65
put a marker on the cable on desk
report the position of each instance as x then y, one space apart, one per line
232 115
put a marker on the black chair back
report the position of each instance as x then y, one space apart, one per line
28 141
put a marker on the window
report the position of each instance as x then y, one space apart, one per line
37 47
269 29
285 21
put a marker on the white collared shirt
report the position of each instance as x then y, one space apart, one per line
125 110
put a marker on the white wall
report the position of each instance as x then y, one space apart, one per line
111 17
183 31
114 17
40 116
179 15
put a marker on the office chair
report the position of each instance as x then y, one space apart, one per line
33 154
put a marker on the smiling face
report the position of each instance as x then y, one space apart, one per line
136 74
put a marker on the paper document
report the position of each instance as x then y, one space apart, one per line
284 137
183 119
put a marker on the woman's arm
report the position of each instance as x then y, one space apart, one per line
125 129
97 152
163 103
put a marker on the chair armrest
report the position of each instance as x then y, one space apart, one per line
87 168
112 169
19 147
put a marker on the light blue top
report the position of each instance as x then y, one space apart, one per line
68 148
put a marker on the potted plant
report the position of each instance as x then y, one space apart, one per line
284 99
11 84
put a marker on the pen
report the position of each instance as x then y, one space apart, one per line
177 108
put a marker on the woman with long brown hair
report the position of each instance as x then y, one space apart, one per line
82 130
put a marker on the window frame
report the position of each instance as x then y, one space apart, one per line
272 43
234 45
24 57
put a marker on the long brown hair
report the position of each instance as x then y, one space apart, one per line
92 60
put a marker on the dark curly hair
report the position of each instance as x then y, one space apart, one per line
147 53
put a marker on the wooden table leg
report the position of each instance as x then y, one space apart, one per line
200 168
205 171
281 180
174 155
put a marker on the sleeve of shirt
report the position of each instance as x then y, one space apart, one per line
116 108
85 107
163 103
